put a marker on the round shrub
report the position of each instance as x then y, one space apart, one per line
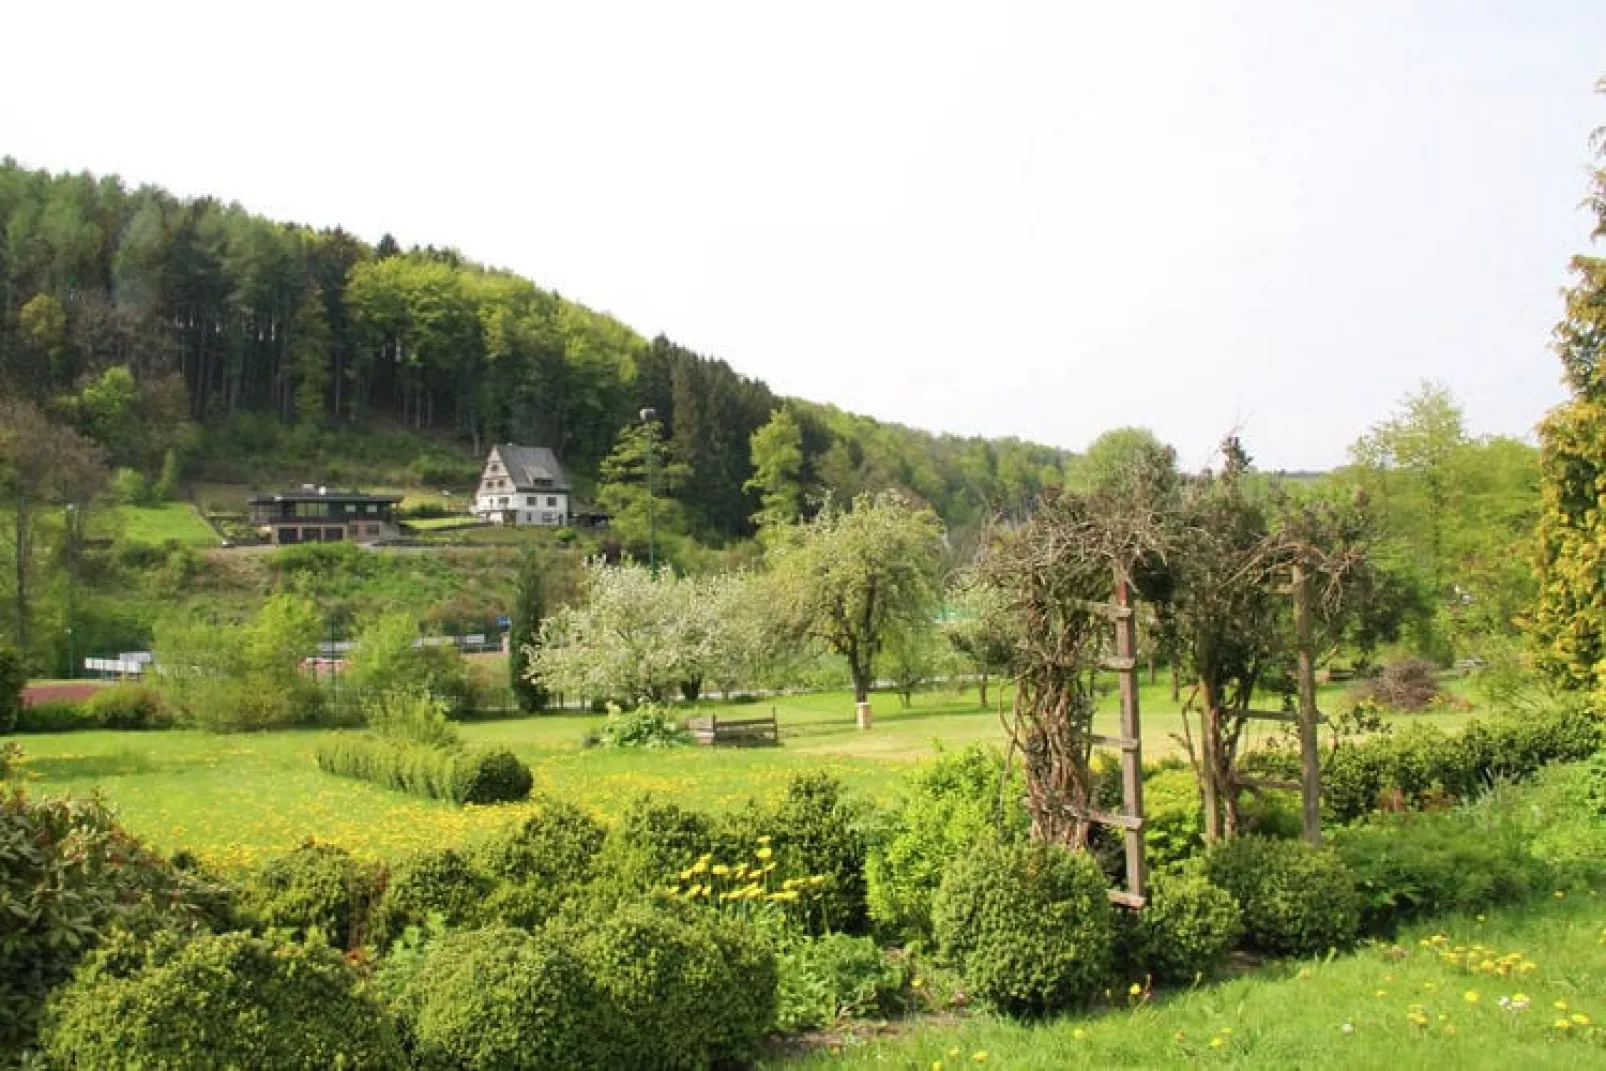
1184 933
1294 900
443 883
540 863
219 1001
492 776
683 987
314 887
653 841
502 998
1028 925
953 802
1173 818
813 832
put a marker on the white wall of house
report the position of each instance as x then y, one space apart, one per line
498 501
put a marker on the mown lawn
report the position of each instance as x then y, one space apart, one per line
237 798
1401 1005
156 525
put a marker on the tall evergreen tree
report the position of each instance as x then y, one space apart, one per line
524 637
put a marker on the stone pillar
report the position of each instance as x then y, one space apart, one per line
864 715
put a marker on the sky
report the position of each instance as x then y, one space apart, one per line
1033 220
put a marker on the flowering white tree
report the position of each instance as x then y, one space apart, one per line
635 636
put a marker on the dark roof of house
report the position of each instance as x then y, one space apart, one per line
533 468
326 495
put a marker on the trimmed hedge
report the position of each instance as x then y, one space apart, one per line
314 887
503 998
226 1001
1029 926
1295 900
1184 934
494 775
1420 761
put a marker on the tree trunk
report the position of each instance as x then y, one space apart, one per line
983 689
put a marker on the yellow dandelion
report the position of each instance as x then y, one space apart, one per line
1134 989
1561 1005
979 1057
1471 996
1078 1034
1217 1042
1564 1024
1581 1019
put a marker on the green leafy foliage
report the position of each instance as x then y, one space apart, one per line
410 716
54 716
128 706
503 998
13 676
1411 866
315 889
813 832
479 775
1028 924
646 725
650 844
443 884
1295 900
69 875
952 802
540 864
836 976
1184 933
683 987
230 1000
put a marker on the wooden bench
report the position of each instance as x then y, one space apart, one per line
715 731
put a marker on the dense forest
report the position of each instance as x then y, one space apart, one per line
224 319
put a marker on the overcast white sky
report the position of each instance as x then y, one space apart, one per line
1041 220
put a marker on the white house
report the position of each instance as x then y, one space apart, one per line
523 485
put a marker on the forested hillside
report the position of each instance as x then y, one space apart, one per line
225 320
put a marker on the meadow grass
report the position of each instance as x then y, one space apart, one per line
238 798
171 521
1390 1005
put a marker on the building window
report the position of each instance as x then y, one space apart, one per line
502 502
551 500
373 507
530 501
546 518
333 535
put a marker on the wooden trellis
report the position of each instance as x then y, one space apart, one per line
1309 785
1130 743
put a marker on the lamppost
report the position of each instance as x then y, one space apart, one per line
72 532
647 418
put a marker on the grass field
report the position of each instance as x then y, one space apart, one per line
156 525
238 798
1388 1006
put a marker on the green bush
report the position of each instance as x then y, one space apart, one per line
813 832
1294 900
503 998
442 883
492 775
315 888
1595 783
1422 761
836 976
540 864
651 843
1184 933
953 801
460 776
219 1001
1418 865
1173 817
56 716
1028 925
645 726
683 987
13 678
68 876
128 706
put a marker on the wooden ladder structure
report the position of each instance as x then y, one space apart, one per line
1309 785
1130 744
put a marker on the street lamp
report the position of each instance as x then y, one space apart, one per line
72 527
647 418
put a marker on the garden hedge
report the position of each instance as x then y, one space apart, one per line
478 776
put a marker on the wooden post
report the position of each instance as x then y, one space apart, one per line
1126 648
1310 770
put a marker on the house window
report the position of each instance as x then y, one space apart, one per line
530 501
373 507
551 500
546 518
333 535
502 502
